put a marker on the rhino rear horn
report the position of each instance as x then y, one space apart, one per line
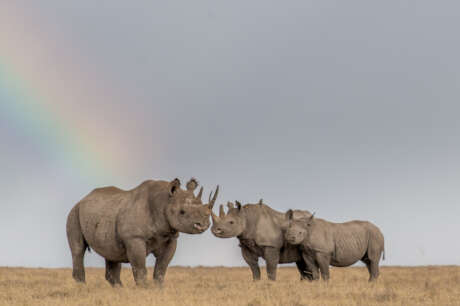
200 193
230 205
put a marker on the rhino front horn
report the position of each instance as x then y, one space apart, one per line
214 198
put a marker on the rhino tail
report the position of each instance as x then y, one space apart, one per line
383 257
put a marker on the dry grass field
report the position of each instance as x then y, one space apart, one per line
233 286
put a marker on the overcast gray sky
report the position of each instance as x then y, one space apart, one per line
345 108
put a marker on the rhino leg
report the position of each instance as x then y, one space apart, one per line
112 272
312 268
372 266
136 250
253 261
77 244
374 253
324 261
272 257
163 260
302 268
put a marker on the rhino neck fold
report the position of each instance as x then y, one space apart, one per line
158 205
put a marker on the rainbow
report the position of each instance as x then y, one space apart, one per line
45 93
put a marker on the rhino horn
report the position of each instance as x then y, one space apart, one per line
230 205
214 217
200 193
221 211
214 198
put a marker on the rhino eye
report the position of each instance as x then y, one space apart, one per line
182 212
231 222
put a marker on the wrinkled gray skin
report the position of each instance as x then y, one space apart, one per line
126 226
326 243
260 230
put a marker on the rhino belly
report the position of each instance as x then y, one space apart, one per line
348 253
99 231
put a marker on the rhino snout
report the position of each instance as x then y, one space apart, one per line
217 231
201 227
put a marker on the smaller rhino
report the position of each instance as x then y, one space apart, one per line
325 243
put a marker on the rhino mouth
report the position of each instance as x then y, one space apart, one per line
219 233
200 227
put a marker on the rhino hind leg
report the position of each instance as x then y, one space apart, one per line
112 272
372 265
77 244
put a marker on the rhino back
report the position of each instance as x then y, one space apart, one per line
264 225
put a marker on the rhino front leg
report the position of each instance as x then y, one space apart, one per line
253 261
272 257
136 251
311 266
163 260
112 272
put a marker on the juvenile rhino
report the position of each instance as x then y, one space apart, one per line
260 230
126 226
326 243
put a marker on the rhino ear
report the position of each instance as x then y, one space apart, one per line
174 185
310 220
192 184
289 214
238 205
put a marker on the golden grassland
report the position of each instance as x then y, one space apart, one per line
431 285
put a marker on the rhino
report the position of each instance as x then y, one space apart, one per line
325 243
260 231
126 226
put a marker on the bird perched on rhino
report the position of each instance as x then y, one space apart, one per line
126 226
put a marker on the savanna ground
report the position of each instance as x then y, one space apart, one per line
234 286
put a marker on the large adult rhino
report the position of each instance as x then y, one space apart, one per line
260 230
325 243
126 226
